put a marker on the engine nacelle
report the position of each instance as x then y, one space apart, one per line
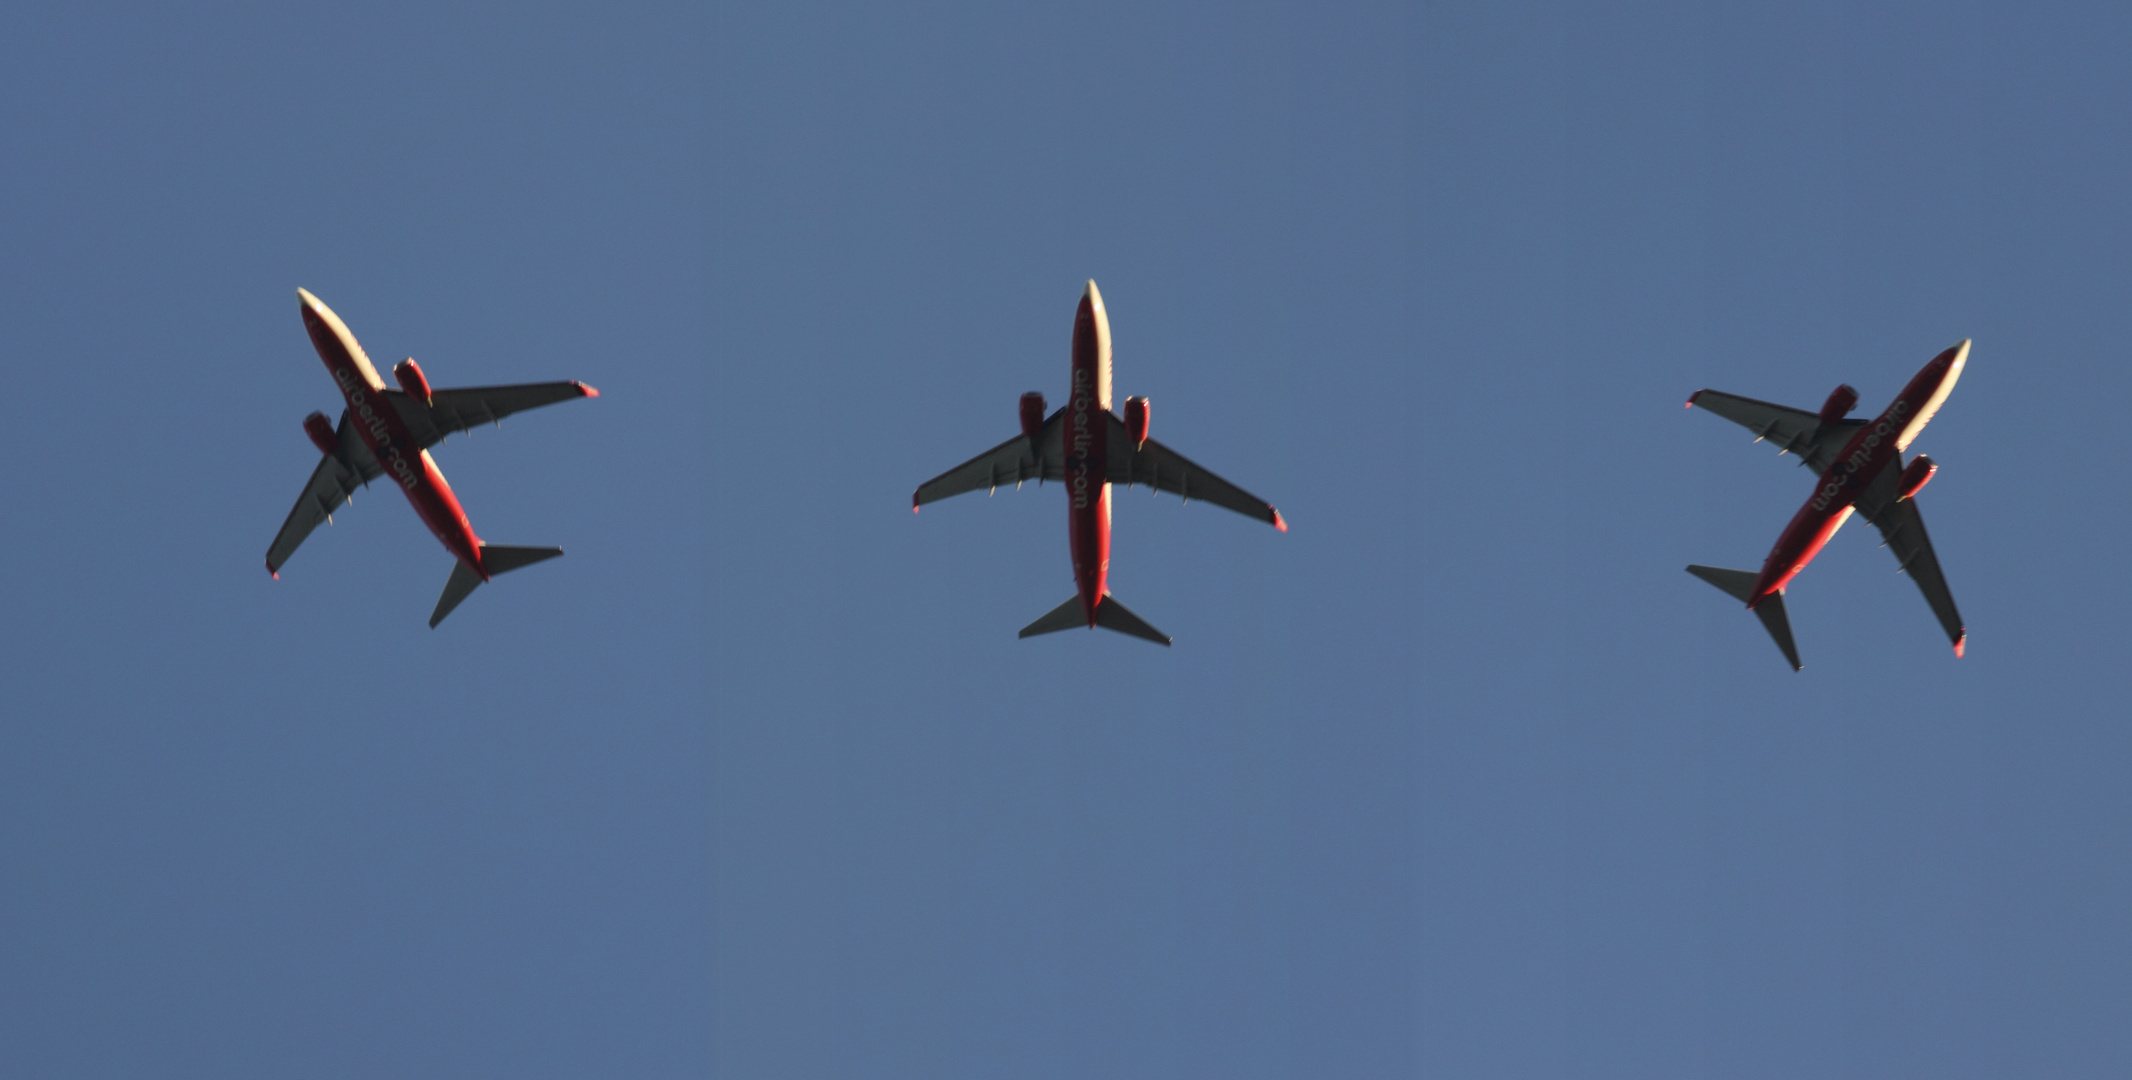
1915 475
321 431
1032 414
1136 419
1839 404
411 379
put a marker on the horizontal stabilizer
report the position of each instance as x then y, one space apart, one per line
498 559
1066 616
1112 615
1771 612
458 587
1739 584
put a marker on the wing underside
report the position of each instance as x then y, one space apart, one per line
1791 431
1012 462
452 411
1164 469
1902 527
338 474
1151 463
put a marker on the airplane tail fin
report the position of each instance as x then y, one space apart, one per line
1739 584
1110 615
499 559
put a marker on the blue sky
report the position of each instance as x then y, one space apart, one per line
1460 777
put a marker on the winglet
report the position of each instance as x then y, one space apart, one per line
1961 643
277 577
914 502
585 390
1691 399
1277 522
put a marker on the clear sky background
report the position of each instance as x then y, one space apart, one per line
1461 777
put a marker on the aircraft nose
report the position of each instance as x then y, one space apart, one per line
1093 295
312 307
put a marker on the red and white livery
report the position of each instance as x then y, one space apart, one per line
388 433
1087 447
1861 469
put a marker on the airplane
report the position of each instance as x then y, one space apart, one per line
385 432
1861 468
1088 448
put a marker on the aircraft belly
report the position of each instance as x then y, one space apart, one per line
1086 440
1809 533
440 511
1088 529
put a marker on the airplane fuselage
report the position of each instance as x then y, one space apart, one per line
378 423
1871 449
1087 452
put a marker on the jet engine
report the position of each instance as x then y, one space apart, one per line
1915 475
1032 414
1136 419
1839 404
321 431
411 379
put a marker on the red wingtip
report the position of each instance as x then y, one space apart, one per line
1277 522
275 573
586 390
1961 643
914 502
1691 399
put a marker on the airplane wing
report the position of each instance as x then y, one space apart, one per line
1903 527
1011 462
1794 431
1164 469
338 475
452 411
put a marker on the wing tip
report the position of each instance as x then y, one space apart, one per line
1278 523
585 390
914 501
1961 642
1691 399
